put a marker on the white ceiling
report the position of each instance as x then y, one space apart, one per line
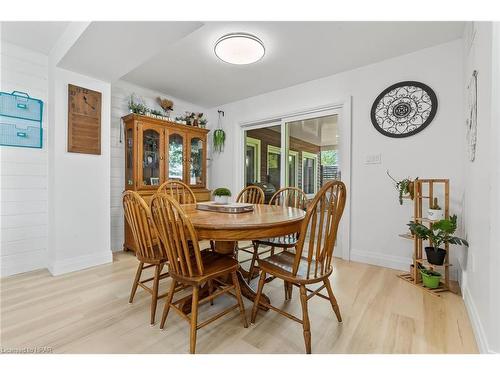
109 50
177 58
296 52
37 36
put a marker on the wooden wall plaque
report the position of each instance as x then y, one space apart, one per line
84 120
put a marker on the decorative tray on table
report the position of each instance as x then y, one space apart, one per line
229 208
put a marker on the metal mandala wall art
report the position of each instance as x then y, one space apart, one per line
404 109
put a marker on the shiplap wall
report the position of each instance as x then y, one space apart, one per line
120 95
23 171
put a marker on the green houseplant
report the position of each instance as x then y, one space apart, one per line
219 138
438 233
430 278
403 187
222 195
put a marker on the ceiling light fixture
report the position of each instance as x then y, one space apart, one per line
239 48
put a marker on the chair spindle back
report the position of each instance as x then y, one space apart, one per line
289 197
319 229
138 216
178 190
175 229
251 194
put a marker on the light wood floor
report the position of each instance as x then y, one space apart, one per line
88 312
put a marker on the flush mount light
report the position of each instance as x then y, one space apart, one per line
239 48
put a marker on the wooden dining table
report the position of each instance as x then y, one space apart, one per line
226 229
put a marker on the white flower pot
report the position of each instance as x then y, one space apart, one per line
221 199
435 214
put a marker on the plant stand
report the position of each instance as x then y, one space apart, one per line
426 189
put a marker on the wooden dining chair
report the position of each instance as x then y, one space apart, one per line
150 252
251 194
178 190
216 273
286 197
312 262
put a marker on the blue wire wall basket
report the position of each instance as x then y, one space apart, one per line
20 120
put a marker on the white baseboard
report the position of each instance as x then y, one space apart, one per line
477 327
62 266
380 259
389 261
24 262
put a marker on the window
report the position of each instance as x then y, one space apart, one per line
293 168
274 165
309 173
252 160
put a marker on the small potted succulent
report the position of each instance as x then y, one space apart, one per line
435 212
438 233
430 278
221 195
404 187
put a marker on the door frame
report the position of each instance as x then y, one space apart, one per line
309 155
342 108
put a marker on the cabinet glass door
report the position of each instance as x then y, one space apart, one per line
196 171
176 157
151 157
129 160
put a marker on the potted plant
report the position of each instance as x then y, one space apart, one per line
222 195
438 233
430 278
403 187
219 140
137 108
435 212
203 122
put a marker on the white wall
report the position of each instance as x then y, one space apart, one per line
480 262
79 184
120 95
23 172
377 217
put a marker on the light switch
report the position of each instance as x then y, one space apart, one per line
373 159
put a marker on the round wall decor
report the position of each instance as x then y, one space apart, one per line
404 109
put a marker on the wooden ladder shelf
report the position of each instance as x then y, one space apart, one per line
426 189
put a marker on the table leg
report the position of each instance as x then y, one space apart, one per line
229 247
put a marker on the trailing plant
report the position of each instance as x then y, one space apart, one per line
439 232
219 137
434 205
403 187
222 192
219 140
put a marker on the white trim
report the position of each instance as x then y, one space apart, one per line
23 262
296 154
79 263
477 327
342 108
309 155
254 142
381 259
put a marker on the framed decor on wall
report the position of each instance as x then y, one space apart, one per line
84 120
404 109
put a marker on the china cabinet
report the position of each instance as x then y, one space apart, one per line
158 150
